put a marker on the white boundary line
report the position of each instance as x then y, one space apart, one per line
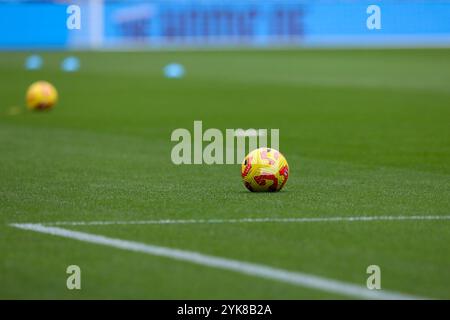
257 270
248 220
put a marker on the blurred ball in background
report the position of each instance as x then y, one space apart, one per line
174 71
41 95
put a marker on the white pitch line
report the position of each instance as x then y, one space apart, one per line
248 220
257 270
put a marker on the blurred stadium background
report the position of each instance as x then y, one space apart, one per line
119 24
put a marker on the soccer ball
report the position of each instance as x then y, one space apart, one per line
41 95
264 169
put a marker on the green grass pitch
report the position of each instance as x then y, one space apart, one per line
365 132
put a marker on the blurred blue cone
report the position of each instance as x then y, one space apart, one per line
70 64
174 71
33 62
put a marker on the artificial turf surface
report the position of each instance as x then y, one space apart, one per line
365 132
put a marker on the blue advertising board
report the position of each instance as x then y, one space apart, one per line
113 24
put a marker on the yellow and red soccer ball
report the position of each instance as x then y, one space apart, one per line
264 169
41 95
